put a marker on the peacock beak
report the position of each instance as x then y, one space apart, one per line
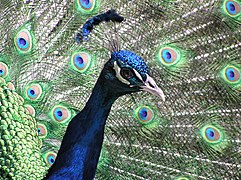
151 86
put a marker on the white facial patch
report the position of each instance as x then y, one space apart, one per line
118 75
138 75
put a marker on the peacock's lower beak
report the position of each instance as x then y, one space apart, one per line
151 86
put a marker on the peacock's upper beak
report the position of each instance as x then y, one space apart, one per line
151 86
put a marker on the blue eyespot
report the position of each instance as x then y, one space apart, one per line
144 114
51 159
31 93
3 69
167 56
34 92
232 7
214 136
58 114
2 72
232 74
42 130
22 43
61 114
86 4
79 62
210 134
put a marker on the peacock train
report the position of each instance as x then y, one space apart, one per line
120 89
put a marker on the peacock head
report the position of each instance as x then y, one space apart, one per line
127 73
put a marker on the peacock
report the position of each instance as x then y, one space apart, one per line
118 89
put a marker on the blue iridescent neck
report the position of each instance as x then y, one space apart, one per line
81 145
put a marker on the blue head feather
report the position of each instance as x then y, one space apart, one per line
131 59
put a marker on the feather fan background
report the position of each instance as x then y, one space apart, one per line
193 50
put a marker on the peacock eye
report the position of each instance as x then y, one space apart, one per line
232 7
232 74
212 134
23 41
85 3
60 114
87 6
145 114
50 158
126 73
34 92
3 70
80 61
42 131
169 56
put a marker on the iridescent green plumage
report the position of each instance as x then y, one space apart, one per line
145 138
20 146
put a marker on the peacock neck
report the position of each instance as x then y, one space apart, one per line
101 98
82 142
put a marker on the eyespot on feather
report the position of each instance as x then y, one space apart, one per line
144 114
232 8
80 61
42 130
212 134
50 158
169 56
23 41
231 75
33 92
60 114
87 6
3 70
